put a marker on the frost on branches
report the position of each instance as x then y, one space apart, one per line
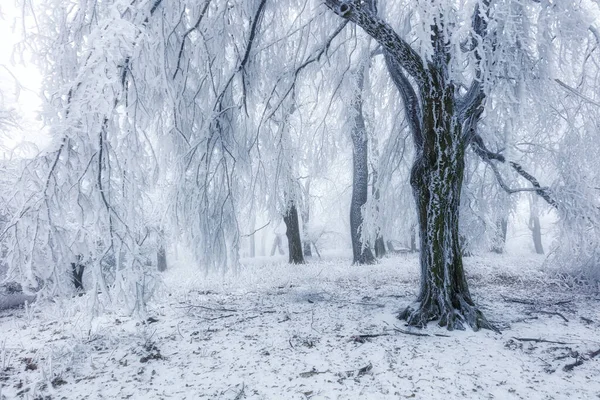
180 122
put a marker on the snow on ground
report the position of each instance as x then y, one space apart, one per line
277 331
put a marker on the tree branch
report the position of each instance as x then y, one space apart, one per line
412 108
487 156
383 33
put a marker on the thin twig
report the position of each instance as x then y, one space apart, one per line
553 313
409 332
520 301
209 308
539 340
241 392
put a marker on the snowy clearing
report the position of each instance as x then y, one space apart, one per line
324 330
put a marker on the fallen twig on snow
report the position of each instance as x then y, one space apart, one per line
362 338
378 305
520 301
241 392
417 333
219 317
587 320
312 372
534 302
553 313
539 340
208 308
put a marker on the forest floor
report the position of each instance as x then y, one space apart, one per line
325 330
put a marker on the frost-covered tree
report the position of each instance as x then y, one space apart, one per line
186 117
458 56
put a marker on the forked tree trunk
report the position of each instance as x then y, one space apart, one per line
360 179
293 235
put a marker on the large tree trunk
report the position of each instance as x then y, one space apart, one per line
437 114
436 179
293 235
360 179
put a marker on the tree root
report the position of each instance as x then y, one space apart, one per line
452 317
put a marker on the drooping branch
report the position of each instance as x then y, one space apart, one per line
412 107
186 34
316 56
489 156
576 92
383 33
243 63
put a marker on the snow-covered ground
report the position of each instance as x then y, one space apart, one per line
277 331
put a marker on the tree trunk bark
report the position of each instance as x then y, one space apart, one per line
252 244
306 219
77 269
293 235
436 179
534 225
500 240
161 259
413 239
360 179
161 254
536 231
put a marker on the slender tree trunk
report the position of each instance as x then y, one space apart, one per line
379 246
380 250
293 235
360 179
161 259
277 245
500 239
161 254
413 239
534 225
536 230
77 269
252 243
306 219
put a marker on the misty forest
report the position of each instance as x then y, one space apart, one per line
300 199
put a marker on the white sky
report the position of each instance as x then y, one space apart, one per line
19 84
